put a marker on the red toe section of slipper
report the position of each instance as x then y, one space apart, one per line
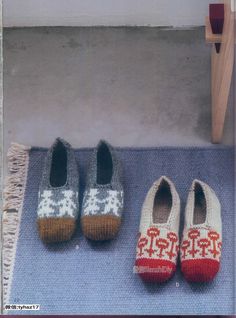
200 270
154 270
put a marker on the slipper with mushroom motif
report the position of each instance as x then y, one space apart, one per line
202 235
158 245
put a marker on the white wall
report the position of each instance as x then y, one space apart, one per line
104 12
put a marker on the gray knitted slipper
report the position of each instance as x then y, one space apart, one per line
103 199
58 194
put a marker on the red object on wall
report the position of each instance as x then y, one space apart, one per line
217 15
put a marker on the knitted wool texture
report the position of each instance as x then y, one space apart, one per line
158 244
58 205
103 198
201 243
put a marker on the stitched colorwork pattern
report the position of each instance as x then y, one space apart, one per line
158 243
102 201
61 203
201 243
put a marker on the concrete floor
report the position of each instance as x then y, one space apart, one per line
131 86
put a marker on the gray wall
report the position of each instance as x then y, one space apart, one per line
176 13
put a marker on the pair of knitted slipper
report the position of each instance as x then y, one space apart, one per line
158 245
58 201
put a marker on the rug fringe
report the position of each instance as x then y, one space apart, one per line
13 195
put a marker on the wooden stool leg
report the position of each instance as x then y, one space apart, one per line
221 82
222 69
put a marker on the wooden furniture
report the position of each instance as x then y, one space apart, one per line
221 68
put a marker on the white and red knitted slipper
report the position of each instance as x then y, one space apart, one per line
158 244
202 235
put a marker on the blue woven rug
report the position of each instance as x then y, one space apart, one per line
80 277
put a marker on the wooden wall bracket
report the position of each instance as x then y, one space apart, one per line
210 36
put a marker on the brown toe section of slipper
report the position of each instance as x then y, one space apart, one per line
52 230
101 227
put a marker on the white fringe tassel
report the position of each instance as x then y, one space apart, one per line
13 196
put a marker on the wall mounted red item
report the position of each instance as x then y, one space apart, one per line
217 15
